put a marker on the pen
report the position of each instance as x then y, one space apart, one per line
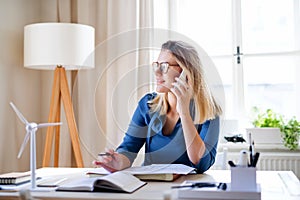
105 154
251 150
255 159
198 185
231 163
251 155
222 186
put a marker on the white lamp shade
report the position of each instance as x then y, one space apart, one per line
47 45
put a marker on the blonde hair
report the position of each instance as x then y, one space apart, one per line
205 105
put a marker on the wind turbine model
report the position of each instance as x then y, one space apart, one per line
31 129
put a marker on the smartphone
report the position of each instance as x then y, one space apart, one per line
183 76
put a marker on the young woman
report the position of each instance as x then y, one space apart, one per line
179 123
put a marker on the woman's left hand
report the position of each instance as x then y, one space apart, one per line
183 92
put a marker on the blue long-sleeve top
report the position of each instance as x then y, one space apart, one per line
146 128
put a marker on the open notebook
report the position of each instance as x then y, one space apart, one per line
114 182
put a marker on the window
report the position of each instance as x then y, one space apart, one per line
264 35
270 36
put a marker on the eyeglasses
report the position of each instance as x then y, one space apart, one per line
163 67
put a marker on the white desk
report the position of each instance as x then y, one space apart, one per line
271 184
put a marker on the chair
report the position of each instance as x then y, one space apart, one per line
221 160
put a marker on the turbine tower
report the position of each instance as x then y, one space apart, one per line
31 128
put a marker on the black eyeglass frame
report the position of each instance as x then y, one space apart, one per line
163 66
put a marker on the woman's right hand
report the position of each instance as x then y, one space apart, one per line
113 161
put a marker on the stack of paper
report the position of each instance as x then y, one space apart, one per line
14 178
158 172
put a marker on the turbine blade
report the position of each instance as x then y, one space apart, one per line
49 124
19 114
24 144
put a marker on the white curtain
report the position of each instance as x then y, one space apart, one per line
105 97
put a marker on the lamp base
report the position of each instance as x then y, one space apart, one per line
60 90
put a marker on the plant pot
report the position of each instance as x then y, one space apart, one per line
265 135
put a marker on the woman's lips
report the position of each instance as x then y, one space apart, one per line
159 82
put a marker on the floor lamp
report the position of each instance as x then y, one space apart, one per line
59 47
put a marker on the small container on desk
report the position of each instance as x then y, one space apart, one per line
243 179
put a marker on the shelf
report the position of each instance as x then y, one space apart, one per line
232 147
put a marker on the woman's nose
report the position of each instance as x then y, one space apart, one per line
157 72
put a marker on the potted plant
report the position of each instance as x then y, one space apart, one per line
290 133
273 128
266 127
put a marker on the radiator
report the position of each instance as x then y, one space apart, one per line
275 161
281 162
